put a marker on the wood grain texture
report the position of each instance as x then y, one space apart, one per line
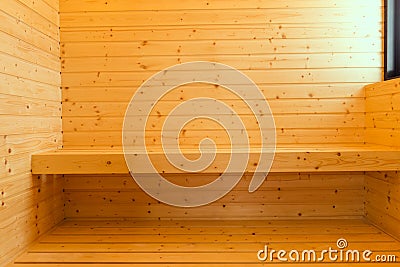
382 202
383 113
315 158
199 243
30 119
303 55
282 195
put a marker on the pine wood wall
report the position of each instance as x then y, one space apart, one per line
311 59
382 201
30 110
282 196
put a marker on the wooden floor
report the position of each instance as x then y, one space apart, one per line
200 243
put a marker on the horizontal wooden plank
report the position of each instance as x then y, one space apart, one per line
346 108
29 124
192 135
17 105
134 79
13 85
106 140
232 211
270 91
112 223
222 16
336 158
223 230
334 181
316 238
76 5
218 32
218 47
264 62
288 121
306 197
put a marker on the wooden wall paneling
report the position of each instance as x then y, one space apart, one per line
117 5
280 107
242 62
231 47
339 194
382 202
270 91
30 115
108 50
282 121
55 4
383 120
112 139
20 68
43 9
135 79
388 137
311 73
18 105
12 85
227 32
20 49
33 124
383 113
28 215
243 16
29 34
32 17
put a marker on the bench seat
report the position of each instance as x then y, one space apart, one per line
310 158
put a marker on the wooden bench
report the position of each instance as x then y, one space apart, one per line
316 158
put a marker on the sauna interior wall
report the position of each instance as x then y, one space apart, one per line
30 119
382 201
310 58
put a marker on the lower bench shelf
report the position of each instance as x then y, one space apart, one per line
313 158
